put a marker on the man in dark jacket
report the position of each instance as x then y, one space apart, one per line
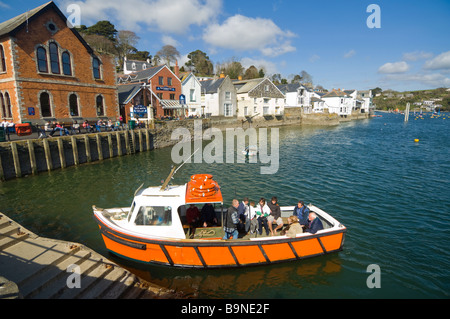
275 215
231 221
315 224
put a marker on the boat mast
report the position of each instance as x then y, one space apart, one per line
173 171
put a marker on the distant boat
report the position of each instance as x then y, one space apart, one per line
250 151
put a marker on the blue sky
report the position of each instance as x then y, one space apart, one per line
329 39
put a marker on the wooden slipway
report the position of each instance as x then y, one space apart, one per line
33 267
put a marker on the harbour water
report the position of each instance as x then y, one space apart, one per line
389 190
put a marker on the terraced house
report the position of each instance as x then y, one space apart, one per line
49 73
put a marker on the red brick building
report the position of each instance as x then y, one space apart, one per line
48 72
162 91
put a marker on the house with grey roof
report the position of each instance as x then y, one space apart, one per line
297 95
131 66
218 97
338 102
258 98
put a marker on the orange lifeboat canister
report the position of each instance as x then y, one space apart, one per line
203 189
23 129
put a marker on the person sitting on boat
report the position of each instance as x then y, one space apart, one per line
253 217
315 224
231 221
243 218
302 213
275 215
193 216
208 216
294 227
262 210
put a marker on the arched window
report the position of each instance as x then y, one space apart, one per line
2 104
73 104
42 60
100 107
54 58
67 66
96 67
46 109
2 60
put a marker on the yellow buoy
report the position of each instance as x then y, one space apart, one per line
416 140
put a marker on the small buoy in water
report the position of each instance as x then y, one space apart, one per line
416 140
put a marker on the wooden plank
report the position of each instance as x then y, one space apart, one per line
76 160
111 152
32 157
99 147
62 156
16 160
119 144
88 148
48 155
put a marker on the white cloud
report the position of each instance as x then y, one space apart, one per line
4 5
441 62
349 54
314 58
396 67
244 33
168 40
169 16
429 80
416 55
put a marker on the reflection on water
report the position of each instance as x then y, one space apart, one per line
257 282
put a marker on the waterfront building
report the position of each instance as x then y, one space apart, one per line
338 102
192 90
218 97
366 97
165 91
297 95
259 98
49 73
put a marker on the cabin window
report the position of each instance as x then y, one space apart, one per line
154 216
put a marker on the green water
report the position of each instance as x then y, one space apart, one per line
391 193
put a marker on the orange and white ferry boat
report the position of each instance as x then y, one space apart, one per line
151 231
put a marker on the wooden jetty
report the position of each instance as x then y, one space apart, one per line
33 267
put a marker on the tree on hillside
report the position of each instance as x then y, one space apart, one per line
139 56
100 36
102 28
251 73
169 54
100 43
231 68
126 43
200 63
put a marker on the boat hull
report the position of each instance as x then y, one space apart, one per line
214 253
